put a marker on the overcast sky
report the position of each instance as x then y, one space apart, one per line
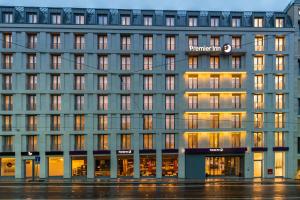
244 5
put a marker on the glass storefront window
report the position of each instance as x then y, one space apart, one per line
258 164
56 166
279 163
102 166
169 165
8 166
125 166
147 165
79 166
223 166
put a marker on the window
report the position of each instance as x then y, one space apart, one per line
79 62
147 20
7 40
214 41
193 62
55 18
125 102
170 82
148 60
6 122
258 139
279 101
102 42
279 120
7 17
55 61
214 101
170 43
192 82
214 82
236 140
236 62
214 121
214 21
32 143
193 21
170 121
170 21
55 41
148 141
102 19
8 143
103 142
214 139
170 102
193 41
259 43
56 143
236 101
79 41
258 63
55 102
258 120
169 141
79 19
170 63
79 82
125 20
102 82
258 82
279 139
148 43
79 142
125 82
7 102
32 18
103 62
147 122
31 61
258 22
125 42
125 141
279 164
6 81
125 122
214 62
258 101
78 122
31 123
148 102
125 62
31 82
148 82
236 22
102 122
55 123
236 81
236 42
78 102
192 140
193 101
7 61
102 102
192 121
279 22
31 102
279 63
279 82
31 40
279 43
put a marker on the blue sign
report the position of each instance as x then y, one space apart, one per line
37 159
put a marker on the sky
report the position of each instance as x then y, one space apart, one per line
223 5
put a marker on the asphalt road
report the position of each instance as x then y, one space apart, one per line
150 191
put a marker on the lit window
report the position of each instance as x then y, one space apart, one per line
103 62
214 139
236 121
279 22
279 43
125 122
32 18
193 41
7 17
258 82
79 41
170 141
279 120
170 21
214 62
258 101
214 41
193 62
170 63
125 102
103 142
148 82
102 20
170 102
55 18
236 62
125 42
148 141
259 43
170 43
147 20
258 63
214 101
279 139
148 61
236 81
148 102
258 22
258 120
236 42
258 139
125 141
170 122
170 82
125 20
214 82
214 121
214 21
279 101
148 43
192 140
279 63
79 19
193 21
279 82
102 42
236 22
193 101
148 122
192 121
79 142
236 140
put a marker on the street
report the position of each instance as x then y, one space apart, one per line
229 190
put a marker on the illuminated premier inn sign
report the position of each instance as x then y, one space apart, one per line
225 49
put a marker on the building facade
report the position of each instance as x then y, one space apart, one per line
101 93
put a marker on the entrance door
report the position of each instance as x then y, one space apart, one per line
32 169
257 168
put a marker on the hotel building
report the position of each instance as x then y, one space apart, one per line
107 93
